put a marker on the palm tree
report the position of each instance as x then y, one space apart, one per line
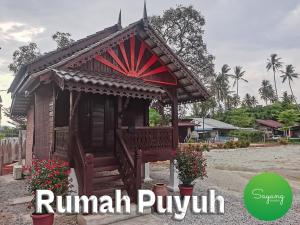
249 101
237 76
289 74
274 63
220 85
286 99
266 91
254 102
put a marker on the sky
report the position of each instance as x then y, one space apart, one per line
238 33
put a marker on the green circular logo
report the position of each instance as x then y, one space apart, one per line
268 196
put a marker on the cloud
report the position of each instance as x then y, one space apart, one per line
15 31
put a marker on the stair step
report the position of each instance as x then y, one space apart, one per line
106 178
104 219
106 168
105 161
108 191
104 185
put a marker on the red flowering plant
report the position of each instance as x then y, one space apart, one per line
190 165
50 175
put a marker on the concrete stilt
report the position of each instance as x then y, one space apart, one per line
173 181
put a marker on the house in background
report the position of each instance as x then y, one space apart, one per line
213 130
185 127
88 103
271 128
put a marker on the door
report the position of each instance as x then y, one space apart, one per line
96 123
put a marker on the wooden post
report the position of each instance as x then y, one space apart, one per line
88 174
138 172
175 118
71 126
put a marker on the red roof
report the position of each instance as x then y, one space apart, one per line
269 123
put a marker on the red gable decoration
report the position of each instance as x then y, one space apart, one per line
134 58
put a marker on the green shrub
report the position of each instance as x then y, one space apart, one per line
236 144
245 135
283 141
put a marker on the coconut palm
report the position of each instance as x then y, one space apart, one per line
275 64
249 101
220 85
266 91
254 101
289 74
287 99
237 76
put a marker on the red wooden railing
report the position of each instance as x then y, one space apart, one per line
130 168
156 143
84 166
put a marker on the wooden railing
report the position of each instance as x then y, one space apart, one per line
130 168
156 143
61 142
84 166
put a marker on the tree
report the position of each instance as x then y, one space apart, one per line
275 64
220 86
62 39
249 101
266 91
182 29
287 99
289 118
289 74
154 117
254 101
24 55
237 76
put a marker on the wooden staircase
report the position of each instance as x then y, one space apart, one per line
106 177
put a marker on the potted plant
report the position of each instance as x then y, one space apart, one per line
48 175
190 165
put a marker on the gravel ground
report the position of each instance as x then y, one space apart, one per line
228 173
19 214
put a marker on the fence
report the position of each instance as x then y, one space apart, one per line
12 149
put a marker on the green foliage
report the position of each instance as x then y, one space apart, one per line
191 165
62 39
245 135
240 117
182 28
236 144
289 118
24 55
1 136
154 117
49 175
283 141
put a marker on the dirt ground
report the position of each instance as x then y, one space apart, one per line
228 173
230 170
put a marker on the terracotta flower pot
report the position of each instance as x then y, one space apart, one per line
160 189
186 190
42 219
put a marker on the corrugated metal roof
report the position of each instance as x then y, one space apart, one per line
269 123
211 124
110 80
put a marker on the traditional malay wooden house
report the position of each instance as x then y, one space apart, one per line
88 104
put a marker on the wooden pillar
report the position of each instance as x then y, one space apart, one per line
173 180
175 119
119 113
71 126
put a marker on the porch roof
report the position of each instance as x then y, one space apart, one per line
110 84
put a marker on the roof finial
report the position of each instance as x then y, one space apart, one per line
145 16
120 19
